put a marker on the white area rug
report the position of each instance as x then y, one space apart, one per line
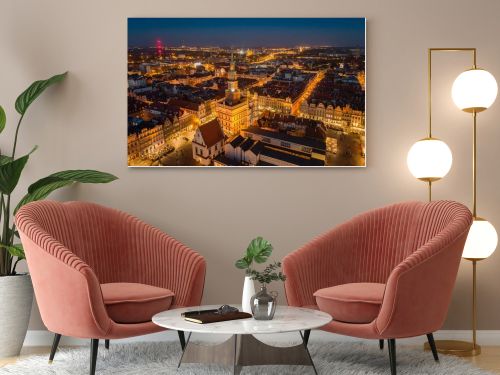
162 358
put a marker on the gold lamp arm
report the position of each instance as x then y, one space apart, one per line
429 92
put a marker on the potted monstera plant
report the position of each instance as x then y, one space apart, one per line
258 251
16 291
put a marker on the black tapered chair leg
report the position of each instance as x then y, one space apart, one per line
307 333
432 344
94 346
55 344
392 355
381 344
182 339
106 344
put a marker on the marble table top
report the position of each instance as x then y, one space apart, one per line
286 319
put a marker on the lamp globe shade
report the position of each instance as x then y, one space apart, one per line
429 159
481 241
474 90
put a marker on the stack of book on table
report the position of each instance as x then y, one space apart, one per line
213 316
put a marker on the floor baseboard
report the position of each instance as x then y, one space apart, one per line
484 337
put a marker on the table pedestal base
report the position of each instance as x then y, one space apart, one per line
246 350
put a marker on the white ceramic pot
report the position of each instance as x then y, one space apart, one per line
16 298
248 292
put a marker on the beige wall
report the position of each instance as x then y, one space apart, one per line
81 124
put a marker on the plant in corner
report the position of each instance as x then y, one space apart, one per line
259 250
16 291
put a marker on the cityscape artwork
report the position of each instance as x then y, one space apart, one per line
246 92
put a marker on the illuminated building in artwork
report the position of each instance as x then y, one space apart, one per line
361 79
278 140
233 111
145 139
159 49
208 142
345 118
338 101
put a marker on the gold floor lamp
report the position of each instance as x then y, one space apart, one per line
430 159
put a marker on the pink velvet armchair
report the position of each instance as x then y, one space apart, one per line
99 273
385 274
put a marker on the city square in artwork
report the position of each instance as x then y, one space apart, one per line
246 92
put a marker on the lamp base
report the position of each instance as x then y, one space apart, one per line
456 348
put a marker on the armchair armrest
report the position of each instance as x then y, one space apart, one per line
67 290
419 289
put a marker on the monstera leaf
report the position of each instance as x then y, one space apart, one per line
31 93
242 263
43 187
258 250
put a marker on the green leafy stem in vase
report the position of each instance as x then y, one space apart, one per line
259 250
10 173
269 274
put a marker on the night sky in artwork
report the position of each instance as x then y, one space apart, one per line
247 32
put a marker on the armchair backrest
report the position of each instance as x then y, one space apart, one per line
386 236
368 247
94 233
379 241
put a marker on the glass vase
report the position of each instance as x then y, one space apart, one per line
263 304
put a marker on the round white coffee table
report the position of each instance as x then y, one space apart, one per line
242 348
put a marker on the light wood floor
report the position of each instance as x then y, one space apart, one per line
488 360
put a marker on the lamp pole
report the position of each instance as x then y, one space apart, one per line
474 215
474 164
454 347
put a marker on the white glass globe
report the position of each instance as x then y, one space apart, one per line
429 159
474 90
481 241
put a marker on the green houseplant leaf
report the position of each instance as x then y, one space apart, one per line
41 193
16 250
10 172
36 88
242 263
43 187
5 159
259 250
3 119
269 274
86 176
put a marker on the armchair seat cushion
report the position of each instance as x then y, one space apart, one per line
351 303
135 303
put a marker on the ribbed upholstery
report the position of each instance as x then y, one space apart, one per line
404 241
82 245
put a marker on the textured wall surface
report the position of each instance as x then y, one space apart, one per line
82 124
